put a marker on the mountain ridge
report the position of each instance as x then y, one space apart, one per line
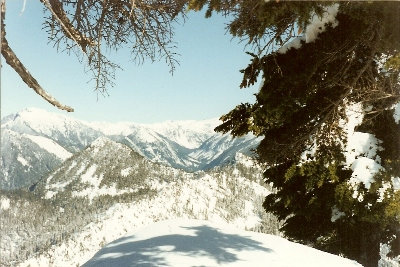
188 145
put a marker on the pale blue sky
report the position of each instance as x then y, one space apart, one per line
204 85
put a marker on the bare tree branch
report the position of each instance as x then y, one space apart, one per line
16 64
56 8
89 28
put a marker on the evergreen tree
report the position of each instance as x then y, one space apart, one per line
315 75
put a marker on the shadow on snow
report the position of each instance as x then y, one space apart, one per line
207 242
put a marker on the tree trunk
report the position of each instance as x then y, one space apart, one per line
369 250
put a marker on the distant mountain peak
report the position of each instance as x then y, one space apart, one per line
37 114
189 145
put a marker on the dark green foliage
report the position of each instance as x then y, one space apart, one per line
302 104
306 197
306 89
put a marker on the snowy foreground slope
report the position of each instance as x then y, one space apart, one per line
201 243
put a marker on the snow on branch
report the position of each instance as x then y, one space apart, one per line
316 26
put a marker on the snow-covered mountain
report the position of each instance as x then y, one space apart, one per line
51 138
189 134
72 134
201 243
25 158
108 190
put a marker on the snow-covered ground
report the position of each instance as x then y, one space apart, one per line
51 146
201 243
